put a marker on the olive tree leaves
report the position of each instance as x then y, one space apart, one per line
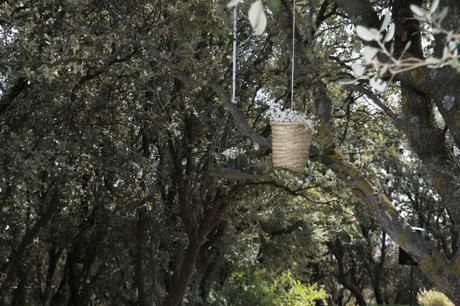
257 17
256 13
381 37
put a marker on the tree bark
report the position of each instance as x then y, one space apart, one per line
53 258
19 295
182 281
13 93
336 248
16 255
377 272
139 277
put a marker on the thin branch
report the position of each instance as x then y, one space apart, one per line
238 116
16 90
377 101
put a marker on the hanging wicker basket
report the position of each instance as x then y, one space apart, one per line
290 145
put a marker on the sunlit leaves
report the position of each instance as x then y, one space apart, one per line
390 33
365 33
369 53
233 3
417 10
434 6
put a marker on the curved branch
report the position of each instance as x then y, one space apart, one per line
15 91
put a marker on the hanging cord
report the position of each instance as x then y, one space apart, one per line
235 45
231 133
293 55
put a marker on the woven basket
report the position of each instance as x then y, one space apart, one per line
290 145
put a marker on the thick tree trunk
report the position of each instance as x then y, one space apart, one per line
184 276
73 278
141 229
53 258
15 91
378 270
336 248
19 296
340 297
16 255
359 298
139 276
197 237
211 257
210 277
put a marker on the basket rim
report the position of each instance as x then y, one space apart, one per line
272 122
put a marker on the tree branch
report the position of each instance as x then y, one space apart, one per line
15 91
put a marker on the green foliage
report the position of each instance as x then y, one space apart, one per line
108 130
433 298
260 287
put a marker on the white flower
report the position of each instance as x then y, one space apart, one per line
276 113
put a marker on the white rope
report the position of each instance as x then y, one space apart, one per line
235 45
293 54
